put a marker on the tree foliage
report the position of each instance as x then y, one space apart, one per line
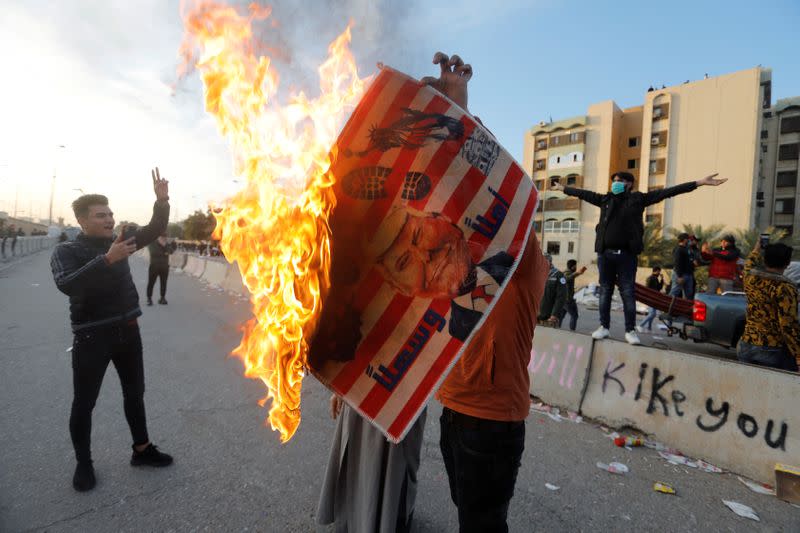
198 226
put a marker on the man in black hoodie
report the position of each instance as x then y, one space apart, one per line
93 271
619 240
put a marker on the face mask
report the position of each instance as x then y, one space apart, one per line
617 187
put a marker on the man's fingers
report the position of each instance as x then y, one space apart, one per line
429 80
455 61
465 71
442 59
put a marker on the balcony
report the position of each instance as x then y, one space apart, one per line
657 166
658 139
660 112
540 164
567 139
560 204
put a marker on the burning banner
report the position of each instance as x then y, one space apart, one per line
431 216
372 263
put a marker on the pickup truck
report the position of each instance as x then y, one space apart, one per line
716 318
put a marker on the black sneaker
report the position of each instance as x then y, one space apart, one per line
150 456
163 301
149 301
84 479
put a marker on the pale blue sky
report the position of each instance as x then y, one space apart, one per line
94 75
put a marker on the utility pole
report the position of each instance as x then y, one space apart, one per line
53 188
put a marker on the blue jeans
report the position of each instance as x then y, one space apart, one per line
482 458
683 291
648 320
773 357
617 269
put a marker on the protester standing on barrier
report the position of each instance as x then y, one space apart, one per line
571 306
554 297
722 270
93 271
771 333
618 240
486 396
159 268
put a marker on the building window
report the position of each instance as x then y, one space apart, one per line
540 164
570 225
541 144
537 226
539 184
553 248
552 225
788 152
574 158
764 134
787 178
790 124
572 179
764 148
760 195
570 247
784 206
558 160
555 140
631 163
633 142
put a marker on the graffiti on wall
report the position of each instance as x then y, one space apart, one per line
660 396
560 360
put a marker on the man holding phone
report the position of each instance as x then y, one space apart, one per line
93 271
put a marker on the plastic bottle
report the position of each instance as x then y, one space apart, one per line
628 441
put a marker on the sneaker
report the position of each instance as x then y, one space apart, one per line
149 301
150 456
163 301
632 338
84 479
600 333
639 329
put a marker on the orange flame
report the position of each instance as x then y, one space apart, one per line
276 227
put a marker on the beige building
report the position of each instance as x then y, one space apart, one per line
678 134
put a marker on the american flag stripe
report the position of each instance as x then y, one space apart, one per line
365 107
379 395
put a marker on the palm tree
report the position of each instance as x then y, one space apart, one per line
746 238
656 249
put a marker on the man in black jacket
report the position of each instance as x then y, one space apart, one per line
619 240
93 271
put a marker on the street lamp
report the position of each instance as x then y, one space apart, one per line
53 187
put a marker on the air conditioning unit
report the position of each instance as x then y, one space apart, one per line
657 112
654 141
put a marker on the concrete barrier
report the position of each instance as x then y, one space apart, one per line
739 417
214 272
233 281
177 260
559 366
195 266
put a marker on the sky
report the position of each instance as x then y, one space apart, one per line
97 77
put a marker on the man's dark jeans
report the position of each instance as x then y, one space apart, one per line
482 458
766 356
570 307
617 267
92 349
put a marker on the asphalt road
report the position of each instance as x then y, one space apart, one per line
232 474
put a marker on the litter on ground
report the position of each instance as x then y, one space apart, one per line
742 510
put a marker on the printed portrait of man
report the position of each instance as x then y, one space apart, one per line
426 255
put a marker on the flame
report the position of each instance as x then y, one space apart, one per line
276 227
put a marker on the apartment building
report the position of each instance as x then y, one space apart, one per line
778 195
677 134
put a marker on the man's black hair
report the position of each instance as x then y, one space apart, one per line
656 268
683 236
777 255
626 176
81 204
571 263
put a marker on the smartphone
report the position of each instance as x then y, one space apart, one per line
129 231
764 240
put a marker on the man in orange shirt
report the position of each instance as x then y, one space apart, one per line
486 395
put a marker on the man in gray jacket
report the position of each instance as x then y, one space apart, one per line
93 271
